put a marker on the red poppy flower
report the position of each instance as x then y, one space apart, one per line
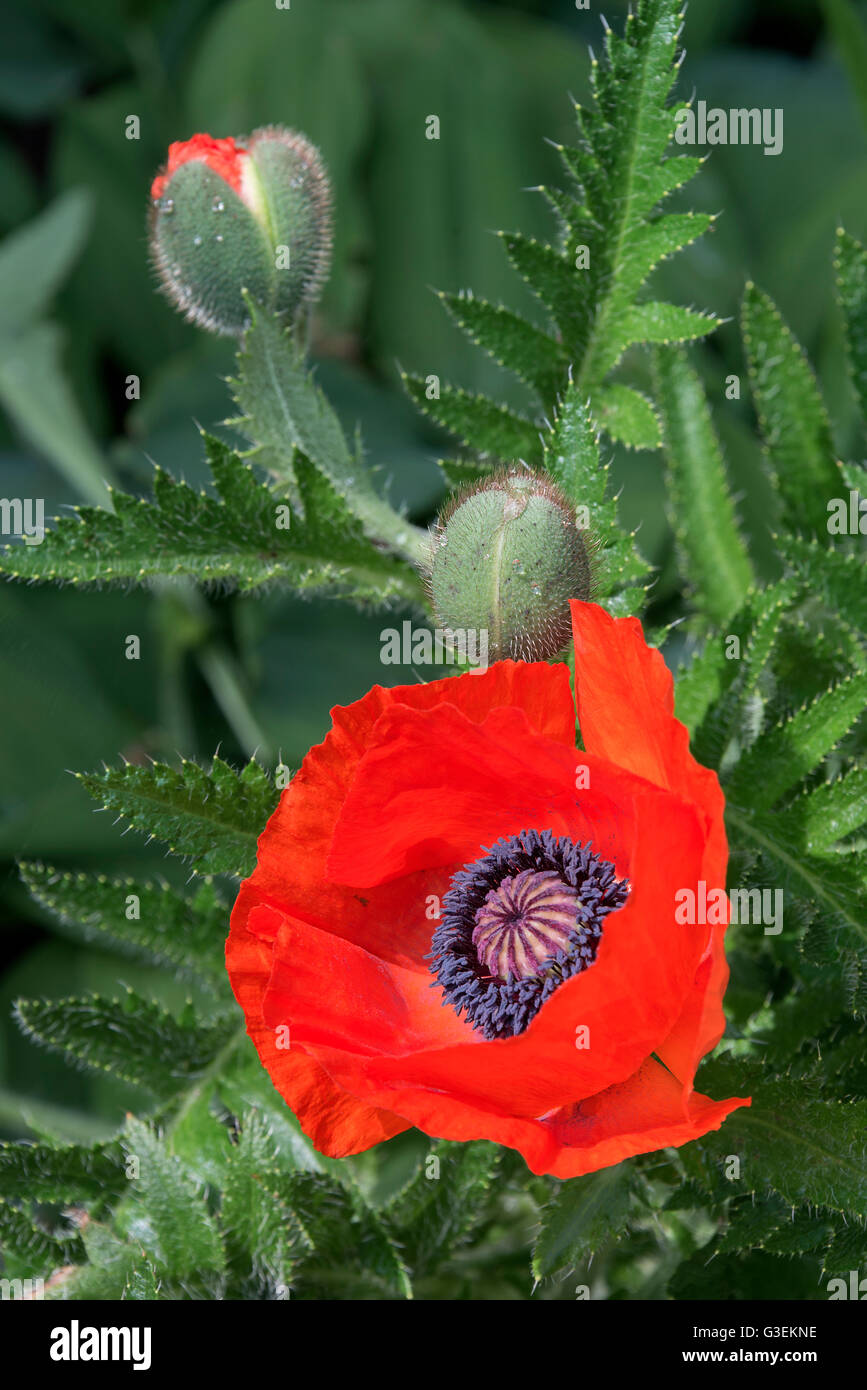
460 921
225 157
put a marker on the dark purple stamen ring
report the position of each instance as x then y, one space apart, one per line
518 922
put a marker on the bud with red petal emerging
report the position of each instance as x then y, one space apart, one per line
231 215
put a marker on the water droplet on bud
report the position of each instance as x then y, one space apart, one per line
218 205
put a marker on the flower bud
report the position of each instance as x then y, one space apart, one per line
248 214
506 558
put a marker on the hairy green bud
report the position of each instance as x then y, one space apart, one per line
232 215
506 558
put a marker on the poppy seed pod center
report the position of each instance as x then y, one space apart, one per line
523 922
517 923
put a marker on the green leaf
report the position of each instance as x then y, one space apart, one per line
244 1086
262 1236
836 576
284 410
533 356
829 812
628 417
489 429
556 282
613 236
39 400
805 1149
832 883
245 538
198 1136
655 323
572 459
584 1214
35 260
133 1039
142 1282
350 1243
71 1172
784 754
440 1207
167 1211
458 473
716 694
212 817
792 415
773 1226
29 1250
713 555
285 413
851 266
187 933
623 175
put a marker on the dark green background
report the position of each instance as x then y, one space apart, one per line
359 77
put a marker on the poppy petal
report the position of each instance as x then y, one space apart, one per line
309 807
334 1120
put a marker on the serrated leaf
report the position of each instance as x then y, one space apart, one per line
792 415
30 1251
66 1173
262 1236
805 1149
713 696
654 323
572 459
836 576
850 263
167 1213
131 1038
244 538
459 473
349 1240
714 558
613 235
770 1224
284 410
187 933
847 1251
564 291
533 356
584 1213
627 417
439 1208
784 754
623 175
212 817
837 936
829 812
285 415
490 430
